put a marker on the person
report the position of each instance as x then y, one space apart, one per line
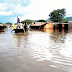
34 22
25 26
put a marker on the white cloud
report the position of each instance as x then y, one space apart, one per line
37 9
3 6
40 9
4 13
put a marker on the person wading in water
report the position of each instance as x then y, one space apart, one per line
25 27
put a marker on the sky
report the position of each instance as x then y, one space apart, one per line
31 9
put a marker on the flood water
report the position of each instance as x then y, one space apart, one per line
47 50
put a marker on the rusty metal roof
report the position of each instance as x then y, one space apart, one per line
40 24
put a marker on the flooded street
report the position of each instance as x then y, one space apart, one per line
47 50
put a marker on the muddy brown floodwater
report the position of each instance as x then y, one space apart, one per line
47 50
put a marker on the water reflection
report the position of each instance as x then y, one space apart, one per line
60 46
48 30
1 30
55 30
57 35
19 38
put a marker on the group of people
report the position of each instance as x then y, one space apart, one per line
21 26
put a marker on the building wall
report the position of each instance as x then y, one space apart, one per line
48 25
70 24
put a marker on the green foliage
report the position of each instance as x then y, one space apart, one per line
64 20
27 21
1 23
41 21
57 15
8 23
22 21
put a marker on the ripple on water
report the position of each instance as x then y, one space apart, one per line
36 51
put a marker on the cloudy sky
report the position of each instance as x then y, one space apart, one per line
31 9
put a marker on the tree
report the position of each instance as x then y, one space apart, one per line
23 22
41 21
1 23
8 23
64 20
57 15
27 21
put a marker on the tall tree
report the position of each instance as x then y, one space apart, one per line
41 21
57 15
27 21
0 23
8 23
